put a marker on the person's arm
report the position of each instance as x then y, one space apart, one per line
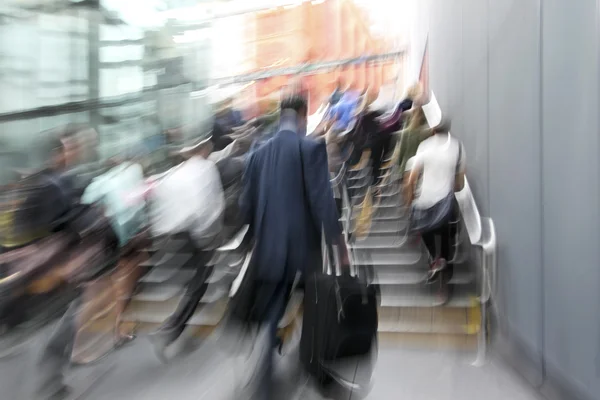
403 149
459 182
320 196
413 174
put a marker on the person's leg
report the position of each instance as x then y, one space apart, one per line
376 157
439 271
339 206
446 253
56 355
429 240
196 288
436 257
274 313
381 150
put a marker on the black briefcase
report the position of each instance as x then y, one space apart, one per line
340 318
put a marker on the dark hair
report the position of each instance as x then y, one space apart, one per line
296 102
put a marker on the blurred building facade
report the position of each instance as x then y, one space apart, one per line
132 69
316 31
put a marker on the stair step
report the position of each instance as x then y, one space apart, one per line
221 273
442 320
160 292
208 314
424 296
152 292
164 259
216 292
229 258
415 276
235 242
388 227
389 194
430 341
408 255
158 312
385 205
162 275
393 191
380 214
381 242
389 201
168 245
359 184
354 175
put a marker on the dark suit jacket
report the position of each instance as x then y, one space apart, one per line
287 198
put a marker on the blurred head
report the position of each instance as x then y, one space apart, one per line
64 152
88 143
414 91
417 118
298 103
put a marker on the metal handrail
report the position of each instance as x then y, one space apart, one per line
482 233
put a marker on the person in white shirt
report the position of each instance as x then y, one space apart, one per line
190 199
440 164
188 202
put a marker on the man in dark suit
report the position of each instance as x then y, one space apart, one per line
287 201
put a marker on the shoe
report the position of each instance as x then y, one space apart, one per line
434 270
160 341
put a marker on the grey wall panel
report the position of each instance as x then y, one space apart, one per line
521 80
571 192
474 130
445 66
514 156
485 72
458 73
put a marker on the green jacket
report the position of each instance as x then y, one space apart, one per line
409 143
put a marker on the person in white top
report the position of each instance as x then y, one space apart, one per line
440 163
190 199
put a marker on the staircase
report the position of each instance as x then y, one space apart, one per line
410 313
377 223
170 269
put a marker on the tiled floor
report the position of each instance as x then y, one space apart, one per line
208 374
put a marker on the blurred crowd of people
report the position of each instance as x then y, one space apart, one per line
75 234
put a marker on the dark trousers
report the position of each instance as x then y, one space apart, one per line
276 297
445 236
195 290
380 146
339 205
